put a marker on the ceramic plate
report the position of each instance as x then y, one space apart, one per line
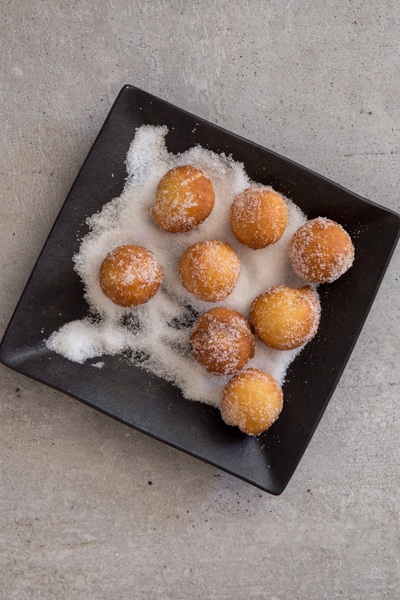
53 296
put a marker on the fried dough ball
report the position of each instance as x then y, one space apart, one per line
285 318
130 275
252 400
184 199
321 251
258 217
209 270
222 341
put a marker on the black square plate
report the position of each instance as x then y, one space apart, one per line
53 296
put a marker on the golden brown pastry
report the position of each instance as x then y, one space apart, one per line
285 318
222 341
251 400
130 275
321 251
258 217
184 199
209 270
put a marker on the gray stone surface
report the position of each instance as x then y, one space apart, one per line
316 81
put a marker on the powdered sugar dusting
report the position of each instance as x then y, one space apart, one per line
157 334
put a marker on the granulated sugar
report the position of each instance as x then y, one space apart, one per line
158 332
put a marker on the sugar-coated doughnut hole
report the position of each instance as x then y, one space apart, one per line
222 341
252 401
258 217
321 251
209 270
130 275
285 318
184 199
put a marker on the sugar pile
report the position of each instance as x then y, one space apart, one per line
156 335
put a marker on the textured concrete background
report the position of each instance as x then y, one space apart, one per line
317 82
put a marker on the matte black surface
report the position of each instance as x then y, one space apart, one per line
53 296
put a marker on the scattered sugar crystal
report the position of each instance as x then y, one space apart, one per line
158 332
98 365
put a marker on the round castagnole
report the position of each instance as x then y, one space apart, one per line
209 270
258 217
222 341
130 275
285 318
184 199
251 400
321 251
